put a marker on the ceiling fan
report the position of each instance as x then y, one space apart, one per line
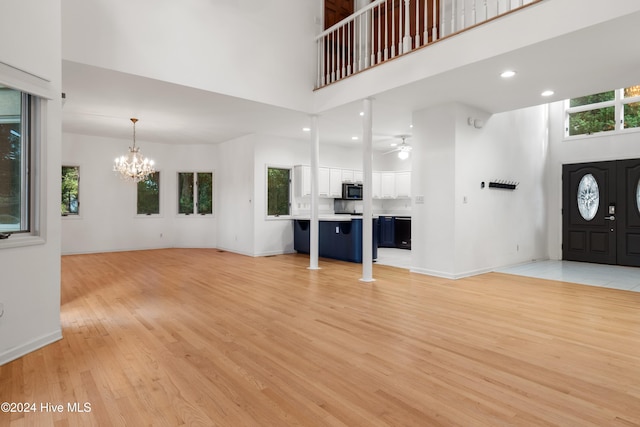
403 148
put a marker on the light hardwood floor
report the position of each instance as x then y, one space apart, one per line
202 337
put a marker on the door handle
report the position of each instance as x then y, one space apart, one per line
610 218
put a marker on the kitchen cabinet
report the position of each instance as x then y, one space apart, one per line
386 234
388 185
337 239
324 188
403 184
347 175
376 185
385 185
302 181
335 183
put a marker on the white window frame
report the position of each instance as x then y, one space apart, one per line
79 214
160 200
195 194
34 179
618 103
266 192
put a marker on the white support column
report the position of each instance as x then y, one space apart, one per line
367 193
314 224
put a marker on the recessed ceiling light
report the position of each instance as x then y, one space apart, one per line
411 126
547 93
362 113
355 138
306 129
394 144
507 74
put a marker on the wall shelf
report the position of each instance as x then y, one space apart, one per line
503 185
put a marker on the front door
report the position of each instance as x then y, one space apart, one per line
601 212
628 212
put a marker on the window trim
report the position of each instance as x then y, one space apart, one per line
618 103
79 214
44 95
195 214
160 201
37 176
266 193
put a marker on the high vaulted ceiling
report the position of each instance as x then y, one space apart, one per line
597 58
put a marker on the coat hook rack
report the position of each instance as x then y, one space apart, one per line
503 185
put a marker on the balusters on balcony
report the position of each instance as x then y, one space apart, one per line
386 29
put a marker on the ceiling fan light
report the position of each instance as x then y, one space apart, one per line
403 154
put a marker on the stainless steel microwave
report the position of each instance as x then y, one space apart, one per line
352 191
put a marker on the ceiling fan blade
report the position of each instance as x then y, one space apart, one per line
391 151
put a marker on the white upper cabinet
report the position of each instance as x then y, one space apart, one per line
385 185
376 182
388 186
347 175
403 184
302 181
324 186
335 183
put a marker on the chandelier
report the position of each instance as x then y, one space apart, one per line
133 167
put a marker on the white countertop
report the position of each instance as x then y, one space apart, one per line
332 217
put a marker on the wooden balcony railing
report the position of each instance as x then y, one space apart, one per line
386 29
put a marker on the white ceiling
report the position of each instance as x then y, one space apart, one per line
100 102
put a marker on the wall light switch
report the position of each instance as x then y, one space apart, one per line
419 200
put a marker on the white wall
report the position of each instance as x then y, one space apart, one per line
30 280
243 48
273 236
463 229
500 227
433 177
588 148
108 220
235 187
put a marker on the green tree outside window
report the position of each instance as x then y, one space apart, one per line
70 190
205 193
198 188
602 118
278 191
149 195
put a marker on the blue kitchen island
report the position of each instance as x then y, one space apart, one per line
340 237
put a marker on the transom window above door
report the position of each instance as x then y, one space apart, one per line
614 110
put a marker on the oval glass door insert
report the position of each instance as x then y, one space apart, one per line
589 197
638 195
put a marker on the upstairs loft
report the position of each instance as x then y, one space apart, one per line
573 47
386 29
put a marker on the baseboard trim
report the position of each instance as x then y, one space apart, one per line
450 276
33 345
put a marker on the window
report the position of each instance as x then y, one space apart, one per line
631 115
149 195
70 190
604 112
16 184
195 193
278 191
